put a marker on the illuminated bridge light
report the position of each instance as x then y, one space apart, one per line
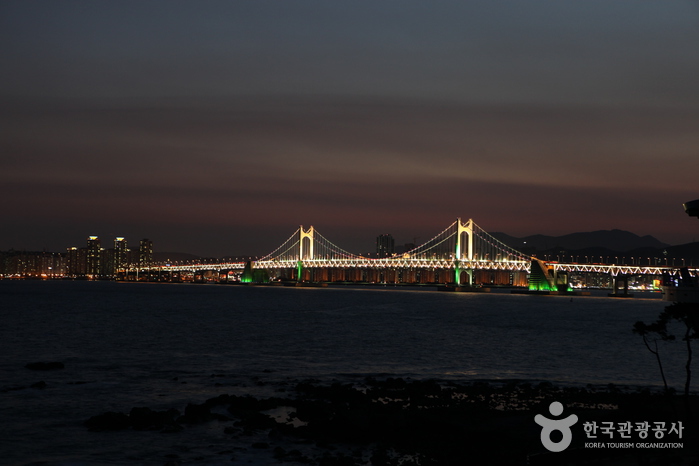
461 247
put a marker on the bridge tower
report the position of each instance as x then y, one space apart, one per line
468 229
306 234
303 253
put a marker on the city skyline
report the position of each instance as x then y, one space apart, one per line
217 129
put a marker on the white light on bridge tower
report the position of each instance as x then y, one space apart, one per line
464 228
468 229
306 234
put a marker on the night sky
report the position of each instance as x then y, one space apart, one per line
218 127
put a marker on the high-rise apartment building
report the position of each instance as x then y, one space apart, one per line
72 261
145 252
385 245
94 254
120 251
106 262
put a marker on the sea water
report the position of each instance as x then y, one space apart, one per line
166 345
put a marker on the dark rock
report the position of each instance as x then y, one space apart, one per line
172 429
218 401
275 435
141 418
255 421
247 409
220 417
290 456
108 421
39 385
45 366
196 414
147 419
409 423
336 460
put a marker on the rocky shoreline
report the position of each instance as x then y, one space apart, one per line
406 422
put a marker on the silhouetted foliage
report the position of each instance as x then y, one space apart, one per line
686 314
646 331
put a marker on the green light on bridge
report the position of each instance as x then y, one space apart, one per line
251 275
540 279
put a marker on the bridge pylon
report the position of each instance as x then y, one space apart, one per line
310 233
464 228
458 257
304 254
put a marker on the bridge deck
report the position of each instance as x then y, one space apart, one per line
408 263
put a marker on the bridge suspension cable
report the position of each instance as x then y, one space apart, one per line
486 246
328 250
308 245
441 246
285 250
448 245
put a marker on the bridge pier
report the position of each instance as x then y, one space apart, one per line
493 277
460 277
620 282
562 282
389 276
226 276
251 274
545 279
299 271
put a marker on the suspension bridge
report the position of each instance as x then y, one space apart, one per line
461 254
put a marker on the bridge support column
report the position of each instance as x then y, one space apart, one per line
458 276
542 277
620 286
459 253
469 274
299 271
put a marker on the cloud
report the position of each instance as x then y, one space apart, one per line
251 116
353 167
350 213
333 139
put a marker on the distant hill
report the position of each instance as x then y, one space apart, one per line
687 251
612 240
607 244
